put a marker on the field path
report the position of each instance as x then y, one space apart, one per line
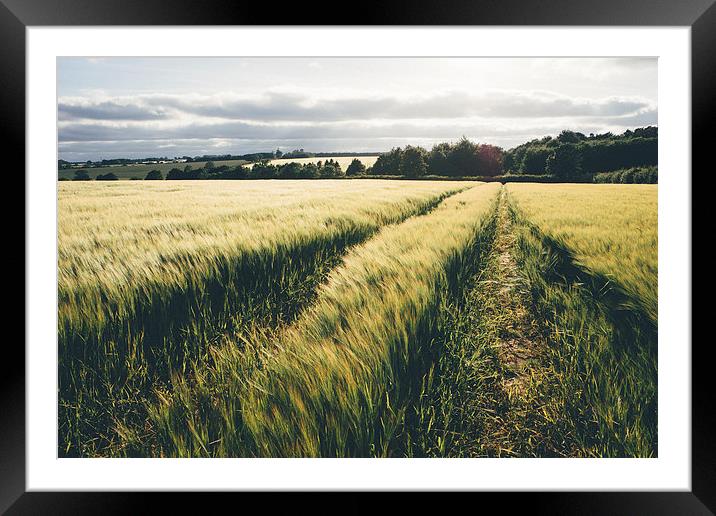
492 392
501 298
519 342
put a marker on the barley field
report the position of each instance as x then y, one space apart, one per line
343 318
591 254
611 230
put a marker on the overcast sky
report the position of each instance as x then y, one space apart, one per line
139 107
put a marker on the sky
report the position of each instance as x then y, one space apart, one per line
141 107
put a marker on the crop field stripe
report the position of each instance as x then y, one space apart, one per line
203 228
488 394
145 352
603 346
338 384
610 230
180 391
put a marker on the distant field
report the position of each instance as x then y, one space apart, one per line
344 161
140 171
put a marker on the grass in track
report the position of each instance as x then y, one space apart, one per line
486 395
540 355
600 320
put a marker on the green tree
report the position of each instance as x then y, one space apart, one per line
107 177
463 159
81 175
331 169
438 161
154 175
310 171
176 173
290 170
534 160
565 162
570 137
356 168
413 162
388 162
490 158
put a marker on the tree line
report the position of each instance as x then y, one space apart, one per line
570 156
328 169
573 154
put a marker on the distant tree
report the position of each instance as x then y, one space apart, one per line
413 162
570 137
209 165
388 162
264 170
107 177
489 159
238 172
154 175
647 132
331 169
356 168
463 159
81 175
310 171
438 160
508 162
176 173
278 153
290 170
565 162
534 160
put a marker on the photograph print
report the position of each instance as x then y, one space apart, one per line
357 257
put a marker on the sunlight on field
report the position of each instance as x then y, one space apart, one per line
612 229
118 237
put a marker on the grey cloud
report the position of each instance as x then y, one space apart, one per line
87 132
277 106
110 110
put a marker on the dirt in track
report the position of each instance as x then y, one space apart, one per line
513 421
520 342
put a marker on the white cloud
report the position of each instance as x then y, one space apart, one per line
322 103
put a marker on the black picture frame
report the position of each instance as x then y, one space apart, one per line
700 15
